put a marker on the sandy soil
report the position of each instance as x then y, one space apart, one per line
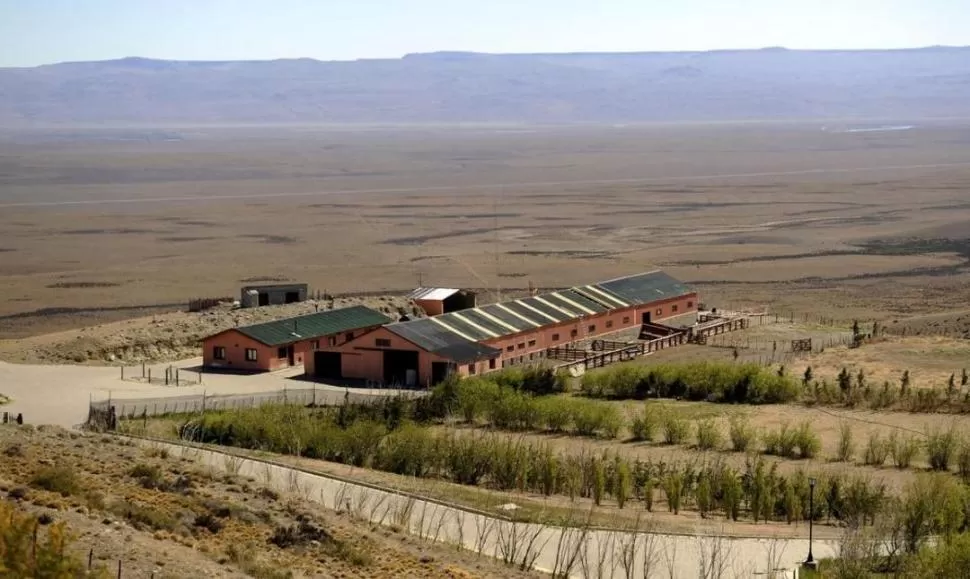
101 232
183 521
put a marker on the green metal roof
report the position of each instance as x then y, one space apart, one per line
311 326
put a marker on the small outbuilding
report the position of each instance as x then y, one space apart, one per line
288 342
253 296
439 300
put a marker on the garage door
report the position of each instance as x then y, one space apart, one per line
326 365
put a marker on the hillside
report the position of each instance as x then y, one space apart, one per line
151 515
449 87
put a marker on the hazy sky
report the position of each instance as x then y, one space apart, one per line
44 31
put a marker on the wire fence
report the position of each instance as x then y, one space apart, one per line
161 405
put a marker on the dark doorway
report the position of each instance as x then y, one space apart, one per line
439 372
291 297
401 367
327 365
263 299
290 355
646 317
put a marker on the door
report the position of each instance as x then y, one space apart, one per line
439 371
327 365
398 365
263 299
646 317
290 355
291 297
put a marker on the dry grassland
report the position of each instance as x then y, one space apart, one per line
95 230
177 519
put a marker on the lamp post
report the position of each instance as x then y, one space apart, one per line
810 562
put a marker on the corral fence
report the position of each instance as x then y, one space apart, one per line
168 376
104 414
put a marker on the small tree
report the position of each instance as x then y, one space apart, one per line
904 383
845 381
846 444
875 329
599 481
621 482
735 354
856 332
807 377
860 379
951 386
964 378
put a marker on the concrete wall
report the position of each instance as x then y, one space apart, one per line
276 294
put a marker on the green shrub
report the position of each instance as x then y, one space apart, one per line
877 450
50 556
712 381
475 398
645 424
708 435
808 443
149 476
743 435
846 445
56 479
781 442
556 414
595 419
940 446
676 429
963 460
903 449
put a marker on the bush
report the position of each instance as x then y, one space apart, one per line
475 397
940 446
555 414
592 419
903 449
807 442
743 435
963 461
846 444
645 424
50 557
781 442
876 450
56 479
708 435
676 430
712 381
149 476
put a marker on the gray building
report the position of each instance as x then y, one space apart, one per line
273 295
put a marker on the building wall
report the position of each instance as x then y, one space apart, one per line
363 359
236 344
431 307
267 357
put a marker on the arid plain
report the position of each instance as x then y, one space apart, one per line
103 224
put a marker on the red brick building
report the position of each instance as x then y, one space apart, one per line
284 343
495 336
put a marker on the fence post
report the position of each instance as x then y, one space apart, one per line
149 375
143 371
122 372
90 559
119 568
203 402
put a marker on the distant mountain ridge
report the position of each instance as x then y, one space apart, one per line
771 83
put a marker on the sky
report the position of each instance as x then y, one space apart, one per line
34 32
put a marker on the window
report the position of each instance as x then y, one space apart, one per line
555 337
626 319
332 341
521 346
532 356
573 333
281 352
471 369
609 324
532 343
591 329
250 354
673 308
491 364
510 348
315 345
348 336
521 359
660 311
690 304
219 353
382 343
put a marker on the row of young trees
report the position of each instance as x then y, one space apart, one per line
758 491
855 389
709 381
